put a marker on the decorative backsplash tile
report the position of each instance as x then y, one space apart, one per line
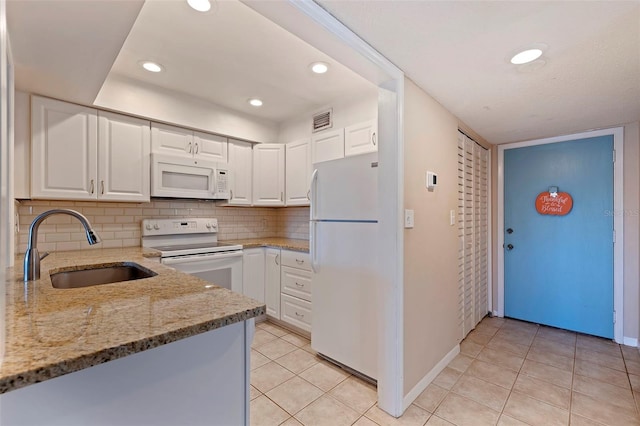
118 224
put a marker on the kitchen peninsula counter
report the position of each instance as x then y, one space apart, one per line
283 243
47 332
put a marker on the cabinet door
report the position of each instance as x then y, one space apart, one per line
297 173
240 161
361 138
272 282
211 147
327 145
171 140
64 150
123 158
253 273
268 174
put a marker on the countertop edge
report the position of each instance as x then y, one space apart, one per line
275 242
71 365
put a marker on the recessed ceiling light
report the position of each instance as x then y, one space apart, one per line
319 67
200 5
526 56
151 66
255 102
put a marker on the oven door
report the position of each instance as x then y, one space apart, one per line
222 269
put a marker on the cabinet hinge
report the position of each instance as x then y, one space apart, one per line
614 316
614 155
614 236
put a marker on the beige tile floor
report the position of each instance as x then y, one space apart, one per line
508 373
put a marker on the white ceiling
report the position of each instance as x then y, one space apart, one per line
458 51
65 48
224 56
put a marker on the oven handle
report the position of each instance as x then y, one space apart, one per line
209 256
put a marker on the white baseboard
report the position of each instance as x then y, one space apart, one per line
428 378
630 341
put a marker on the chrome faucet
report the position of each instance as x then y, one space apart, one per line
32 257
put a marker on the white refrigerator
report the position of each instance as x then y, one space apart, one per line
344 256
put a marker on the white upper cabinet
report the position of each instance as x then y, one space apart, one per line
123 158
80 154
327 145
240 167
268 174
173 140
361 138
298 173
63 150
212 147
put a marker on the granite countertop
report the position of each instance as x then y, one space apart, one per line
47 332
283 243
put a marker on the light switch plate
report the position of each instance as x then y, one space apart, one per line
408 218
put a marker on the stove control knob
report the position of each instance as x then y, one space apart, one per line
149 227
208 225
156 227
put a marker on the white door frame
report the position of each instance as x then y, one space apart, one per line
618 220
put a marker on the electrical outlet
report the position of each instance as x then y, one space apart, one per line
408 218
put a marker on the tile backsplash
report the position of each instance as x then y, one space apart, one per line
118 224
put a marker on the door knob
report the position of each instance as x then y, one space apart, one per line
509 231
509 247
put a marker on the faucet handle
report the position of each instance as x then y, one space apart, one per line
45 254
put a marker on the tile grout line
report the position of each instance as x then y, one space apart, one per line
518 375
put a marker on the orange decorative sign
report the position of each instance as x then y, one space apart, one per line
557 203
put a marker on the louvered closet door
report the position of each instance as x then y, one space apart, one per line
473 227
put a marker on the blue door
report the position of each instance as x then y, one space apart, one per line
559 269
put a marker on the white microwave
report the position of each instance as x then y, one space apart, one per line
183 177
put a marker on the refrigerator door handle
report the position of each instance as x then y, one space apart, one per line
313 188
312 247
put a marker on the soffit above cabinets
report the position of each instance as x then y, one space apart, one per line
222 57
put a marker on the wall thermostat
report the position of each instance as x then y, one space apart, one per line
432 180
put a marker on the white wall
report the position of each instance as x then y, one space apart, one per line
431 248
347 111
6 144
158 104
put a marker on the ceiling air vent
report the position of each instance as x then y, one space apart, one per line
322 120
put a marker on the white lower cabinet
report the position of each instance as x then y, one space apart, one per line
272 282
296 312
283 279
296 289
253 273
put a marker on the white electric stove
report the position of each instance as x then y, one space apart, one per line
191 245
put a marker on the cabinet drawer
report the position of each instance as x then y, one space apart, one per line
296 259
296 312
296 282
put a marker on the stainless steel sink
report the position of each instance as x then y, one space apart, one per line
102 274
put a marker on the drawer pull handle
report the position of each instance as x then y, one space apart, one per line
299 315
299 262
299 285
